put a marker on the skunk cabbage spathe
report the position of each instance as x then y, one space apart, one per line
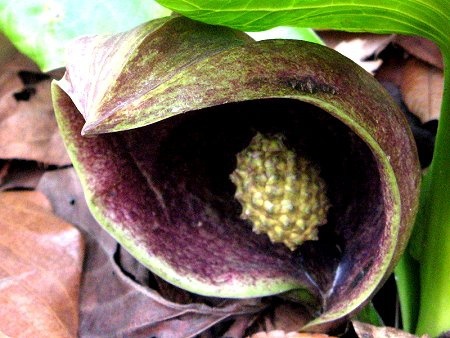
154 120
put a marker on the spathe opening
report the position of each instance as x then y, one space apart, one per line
187 160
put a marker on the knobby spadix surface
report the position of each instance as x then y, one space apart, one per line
165 108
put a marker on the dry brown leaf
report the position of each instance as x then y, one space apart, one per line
422 49
7 50
40 269
112 304
290 317
28 128
4 169
32 199
21 175
358 46
364 330
282 314
238 328
283 334
422 89
392 70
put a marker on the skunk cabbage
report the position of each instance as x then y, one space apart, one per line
154 120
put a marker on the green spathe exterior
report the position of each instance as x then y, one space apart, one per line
160 104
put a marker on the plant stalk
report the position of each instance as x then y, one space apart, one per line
434 312
407 279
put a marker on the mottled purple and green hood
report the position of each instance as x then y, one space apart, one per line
153 119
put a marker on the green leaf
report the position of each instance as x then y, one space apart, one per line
370 315
426 18
407 280
41 29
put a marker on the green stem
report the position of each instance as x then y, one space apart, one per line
370 315
434 313
407 280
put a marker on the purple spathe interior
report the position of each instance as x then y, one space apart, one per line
187 160
168 185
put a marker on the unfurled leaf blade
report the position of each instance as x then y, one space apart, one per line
41 29
425 18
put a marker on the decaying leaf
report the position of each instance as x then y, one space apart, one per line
7 49
359 47
282 315
40 269
364 330
239 327
422 49
27 125
283 334
112 302
20 175
420 78
422 89
4 168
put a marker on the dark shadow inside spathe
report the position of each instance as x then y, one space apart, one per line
187 160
